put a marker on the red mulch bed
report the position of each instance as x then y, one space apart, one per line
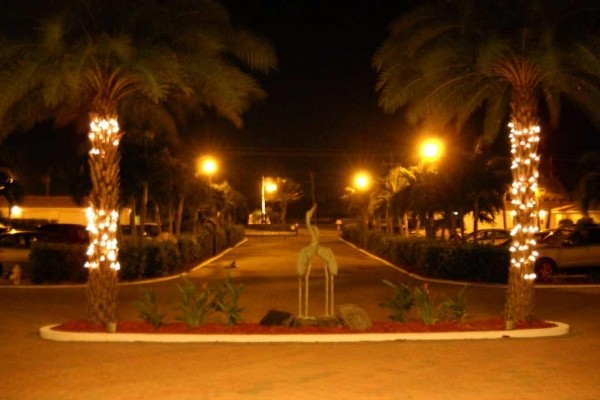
250 328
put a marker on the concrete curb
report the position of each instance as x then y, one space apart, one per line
48 333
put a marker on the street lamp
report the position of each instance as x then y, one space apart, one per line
268 186
207 166
431 150
362 180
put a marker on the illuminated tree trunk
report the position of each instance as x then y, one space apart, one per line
524 139
103 216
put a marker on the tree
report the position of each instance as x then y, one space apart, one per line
100 56
287 191
144 152
10 188
225 201
455 60
589 187
399 182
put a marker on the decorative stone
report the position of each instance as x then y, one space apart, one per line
354 317
305 321
277 318
328 321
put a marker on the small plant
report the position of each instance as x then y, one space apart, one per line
226 301
401 303
195 304
148 308
426 308
455 308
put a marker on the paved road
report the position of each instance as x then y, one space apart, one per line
546 368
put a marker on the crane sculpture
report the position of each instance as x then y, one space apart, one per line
304 264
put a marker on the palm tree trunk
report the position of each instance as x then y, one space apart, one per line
179 216
144 207
283 211
475 217
405 228
195 221
134 232
524 138
103 262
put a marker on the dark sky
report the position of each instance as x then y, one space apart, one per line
322 97
321 114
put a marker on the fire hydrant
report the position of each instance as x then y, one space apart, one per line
15 276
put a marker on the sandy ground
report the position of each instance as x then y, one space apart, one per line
544 368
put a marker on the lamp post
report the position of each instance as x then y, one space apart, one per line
207 166
267 186
362 181
431 150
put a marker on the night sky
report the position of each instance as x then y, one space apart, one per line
321 114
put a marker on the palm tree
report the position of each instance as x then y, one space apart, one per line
589 185
287 191
453 60
399 181
100 56
10 188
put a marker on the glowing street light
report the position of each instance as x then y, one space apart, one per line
207 166
267 186
431 150
362 181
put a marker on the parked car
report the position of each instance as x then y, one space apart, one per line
15 247
565 250
492 237
66 233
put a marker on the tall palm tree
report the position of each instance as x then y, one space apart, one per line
399 181
288 190
100 56
452 60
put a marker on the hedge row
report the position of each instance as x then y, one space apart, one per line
54 262
435 258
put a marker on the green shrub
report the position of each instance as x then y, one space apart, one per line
226 300
57 262
132 258
148 308
189 251
195 303
455 308
427 309
435 258
401 302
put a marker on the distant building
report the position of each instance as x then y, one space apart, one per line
550 216
61 209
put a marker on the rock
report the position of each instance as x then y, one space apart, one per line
277 318
305 321
328 321
354 317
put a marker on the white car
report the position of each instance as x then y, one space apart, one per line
569 250
491 237
15 247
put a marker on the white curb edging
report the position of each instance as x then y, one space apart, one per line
48 333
